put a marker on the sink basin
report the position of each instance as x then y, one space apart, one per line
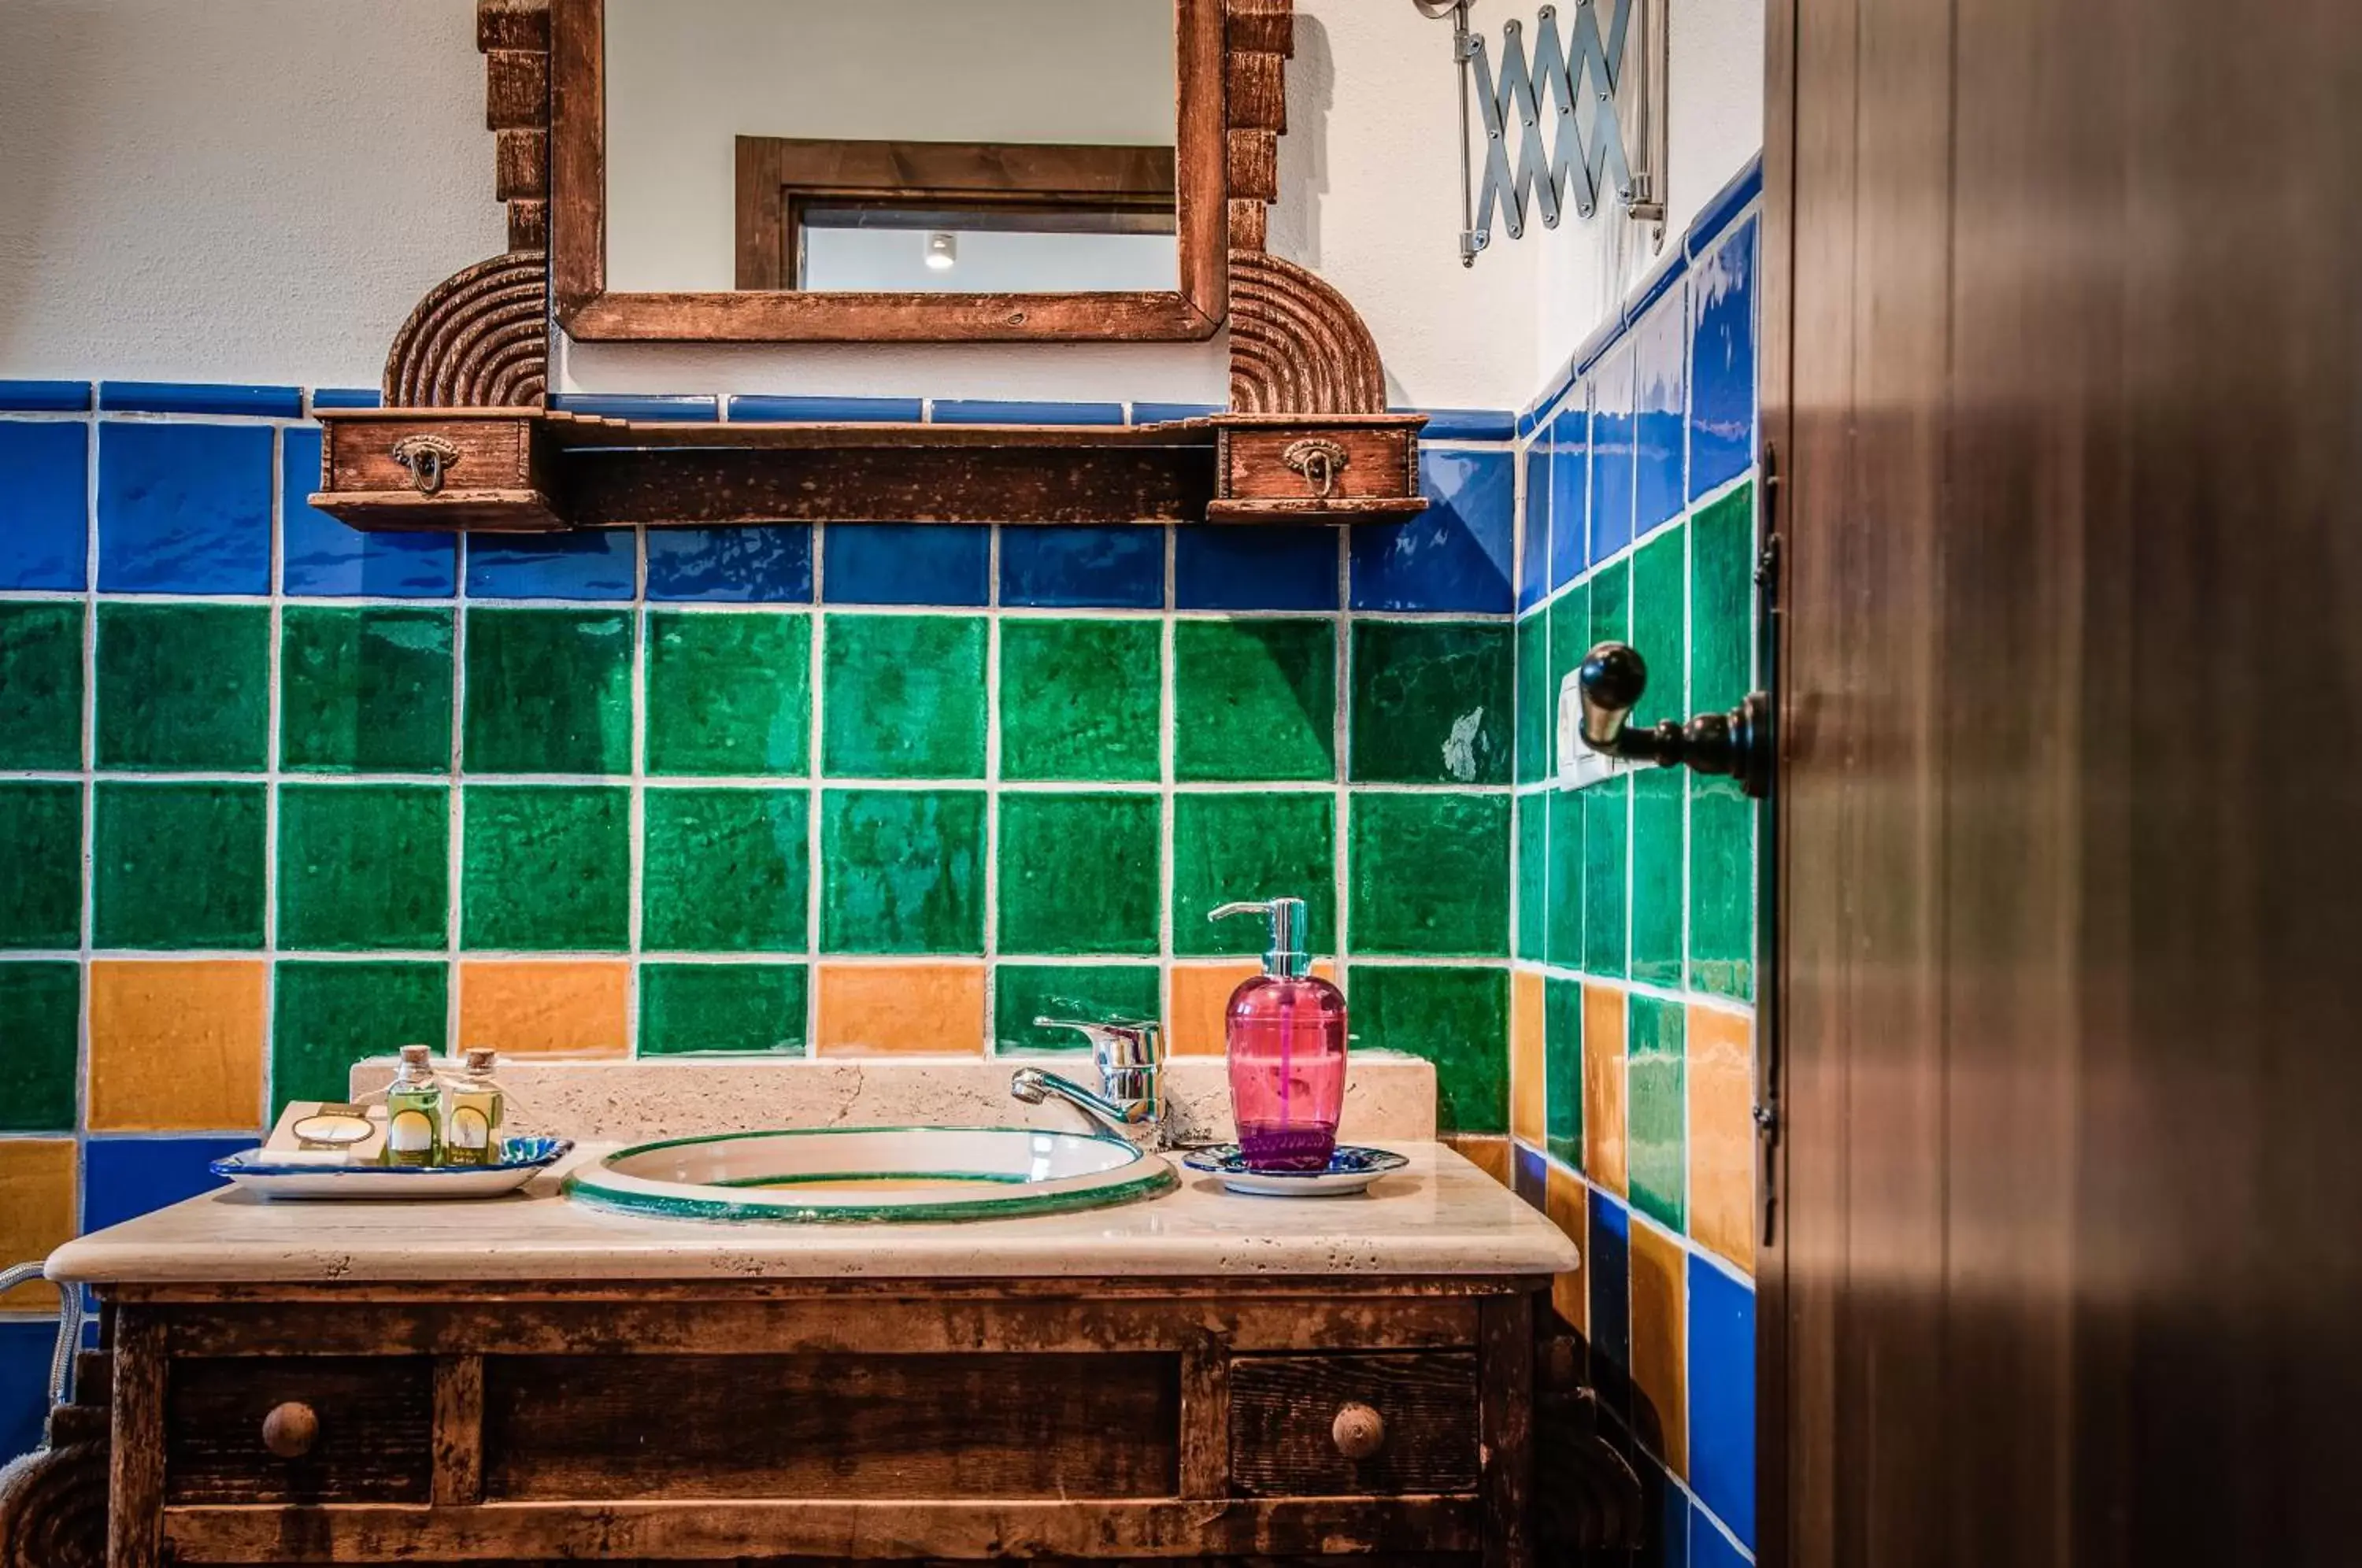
872 1174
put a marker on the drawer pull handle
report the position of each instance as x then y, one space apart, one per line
291 1430
1319 460
429 460
1359 1431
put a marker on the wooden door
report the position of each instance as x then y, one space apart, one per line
2063 351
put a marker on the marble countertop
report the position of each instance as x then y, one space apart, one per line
1440 1215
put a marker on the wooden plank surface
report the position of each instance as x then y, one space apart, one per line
458 1431
1505 1350
375 1416
1283 1410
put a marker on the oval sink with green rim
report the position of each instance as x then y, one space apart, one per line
872 1174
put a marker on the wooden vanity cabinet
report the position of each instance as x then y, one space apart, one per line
1121 1420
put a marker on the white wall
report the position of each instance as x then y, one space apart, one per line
259 190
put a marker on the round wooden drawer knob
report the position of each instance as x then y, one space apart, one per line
290 1430
1357 1431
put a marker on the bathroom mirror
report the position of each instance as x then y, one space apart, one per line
891 169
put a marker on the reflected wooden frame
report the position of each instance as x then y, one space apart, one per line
1192 311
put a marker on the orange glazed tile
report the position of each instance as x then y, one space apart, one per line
522 1009
1487 1152
877 1009
1603 1087
36 1211
1529 1078
176 1046
1201 996
1660 1338
1566 1201
1722 1133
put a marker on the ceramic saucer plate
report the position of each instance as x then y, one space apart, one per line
266 1173
1350 1169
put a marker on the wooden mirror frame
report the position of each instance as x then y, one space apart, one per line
590 311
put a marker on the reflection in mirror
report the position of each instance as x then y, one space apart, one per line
942 145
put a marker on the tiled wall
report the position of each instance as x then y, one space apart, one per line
1632 1075
274 793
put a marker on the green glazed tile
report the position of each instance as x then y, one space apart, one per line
40 848
1429 875
1610 607
364 690
1230 847
729 693
325 1016
1562 1068
1537 699
1660 863
1097 993
1722 888
41 1032
1722 601
1607 872
1458 1018
1570 639
686 1009
1432 702
177 865
549 692
1533 877
1653 1043
41 685
184 686
1078 873
1254 700
1660 609
1563 928
364 867
725 871
902 871
906 697
1080 699
545 868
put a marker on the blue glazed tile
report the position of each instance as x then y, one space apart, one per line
1722 1396
347 397
184 508
1658 348
1609 1270
907 563
1722 362
1291 566
1654 287
200 397
766 565
1534 548
1164 413
24 1385
1466 423
1668 1507
998 410
321 556
1457 555
1709 1548
44 397
1530 1174
1117 566
123 1179
826 410
45 506
661 406
1569 493
593 564
1611 455
1724 205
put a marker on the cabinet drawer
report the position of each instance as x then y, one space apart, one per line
472 454
1283 1410
370 1421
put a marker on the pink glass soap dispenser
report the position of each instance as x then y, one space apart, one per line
1287 1035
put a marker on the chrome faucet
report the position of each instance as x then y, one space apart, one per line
1130 1101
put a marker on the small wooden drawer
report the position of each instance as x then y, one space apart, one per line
363 1425
1285 1436
450 454
1340 469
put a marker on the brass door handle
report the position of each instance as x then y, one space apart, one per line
1357 1431
291 1430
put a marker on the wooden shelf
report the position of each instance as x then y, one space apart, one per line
528 470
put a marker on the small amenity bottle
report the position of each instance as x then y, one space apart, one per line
1286 1031
413 1111
473 1129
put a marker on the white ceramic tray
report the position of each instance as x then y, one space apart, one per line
260 1171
